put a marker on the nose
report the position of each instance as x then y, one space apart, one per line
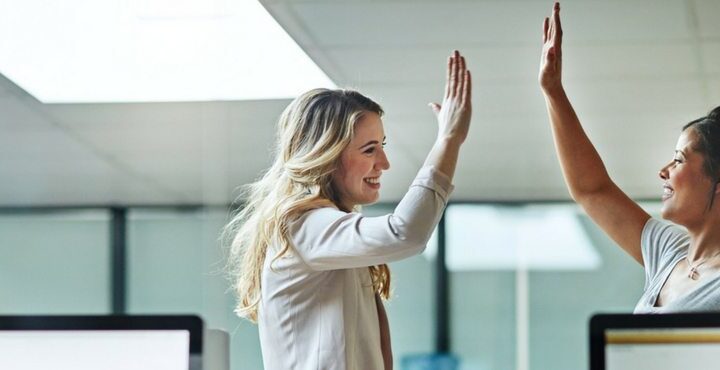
382 162
664 174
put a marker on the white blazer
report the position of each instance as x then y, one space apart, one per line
317 309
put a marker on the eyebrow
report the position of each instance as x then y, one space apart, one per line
372 142
681 152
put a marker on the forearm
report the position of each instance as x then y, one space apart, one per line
444 156
327 238
582 166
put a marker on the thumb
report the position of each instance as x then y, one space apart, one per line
435 108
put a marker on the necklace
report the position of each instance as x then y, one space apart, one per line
693 273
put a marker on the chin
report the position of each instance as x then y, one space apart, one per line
371 200
666 213
671 215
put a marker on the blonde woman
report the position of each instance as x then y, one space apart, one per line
307 266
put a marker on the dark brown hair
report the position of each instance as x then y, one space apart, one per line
707 130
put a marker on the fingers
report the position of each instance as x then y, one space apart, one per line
466 96
453 77
546 24
460 76
448 77
551 27
557 28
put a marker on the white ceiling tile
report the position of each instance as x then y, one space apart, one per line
51 164
707 12
714 94
20 116
490 99
51 144
513 65
622 21
334 24
4 92
411 65
205 150
630 70
714 85
89 184
711 57
638 95
619 61
423 23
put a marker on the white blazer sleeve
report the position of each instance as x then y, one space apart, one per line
329 239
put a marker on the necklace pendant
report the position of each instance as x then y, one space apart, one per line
693 273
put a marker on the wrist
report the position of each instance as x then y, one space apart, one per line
554 91
449 140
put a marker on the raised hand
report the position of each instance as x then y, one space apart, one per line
454 114
551 61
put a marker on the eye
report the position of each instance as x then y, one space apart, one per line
384 143
370 150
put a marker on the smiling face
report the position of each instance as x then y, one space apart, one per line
686 187
357 179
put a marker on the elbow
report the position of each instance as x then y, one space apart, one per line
413 243
412 240
417 246
575 195
411 234
584 195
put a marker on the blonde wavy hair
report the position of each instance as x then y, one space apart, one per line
311 134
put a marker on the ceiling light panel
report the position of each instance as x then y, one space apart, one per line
151 51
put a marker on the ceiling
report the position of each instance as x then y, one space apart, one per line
636 70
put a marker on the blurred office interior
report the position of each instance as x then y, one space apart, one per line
127 127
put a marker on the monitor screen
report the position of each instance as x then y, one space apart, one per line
661 348
672 341
100 342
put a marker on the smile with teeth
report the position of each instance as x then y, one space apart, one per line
667 191
372 180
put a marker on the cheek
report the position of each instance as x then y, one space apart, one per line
358 168
339 178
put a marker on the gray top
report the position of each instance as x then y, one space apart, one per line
663 246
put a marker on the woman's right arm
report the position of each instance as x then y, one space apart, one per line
327 238
585 174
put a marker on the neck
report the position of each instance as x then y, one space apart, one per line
705 237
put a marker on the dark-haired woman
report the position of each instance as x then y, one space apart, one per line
682 268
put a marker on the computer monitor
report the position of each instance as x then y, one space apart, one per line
101 342
658 341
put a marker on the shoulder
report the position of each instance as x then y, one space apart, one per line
320 214
663 242
317 220
657 232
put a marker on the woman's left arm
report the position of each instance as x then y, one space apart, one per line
384 334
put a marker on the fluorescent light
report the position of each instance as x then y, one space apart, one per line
537 237
151 50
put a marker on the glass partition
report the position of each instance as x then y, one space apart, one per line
524 279
175 265
55 262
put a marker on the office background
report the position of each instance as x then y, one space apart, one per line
165 172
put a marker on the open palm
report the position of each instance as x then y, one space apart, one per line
551 60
